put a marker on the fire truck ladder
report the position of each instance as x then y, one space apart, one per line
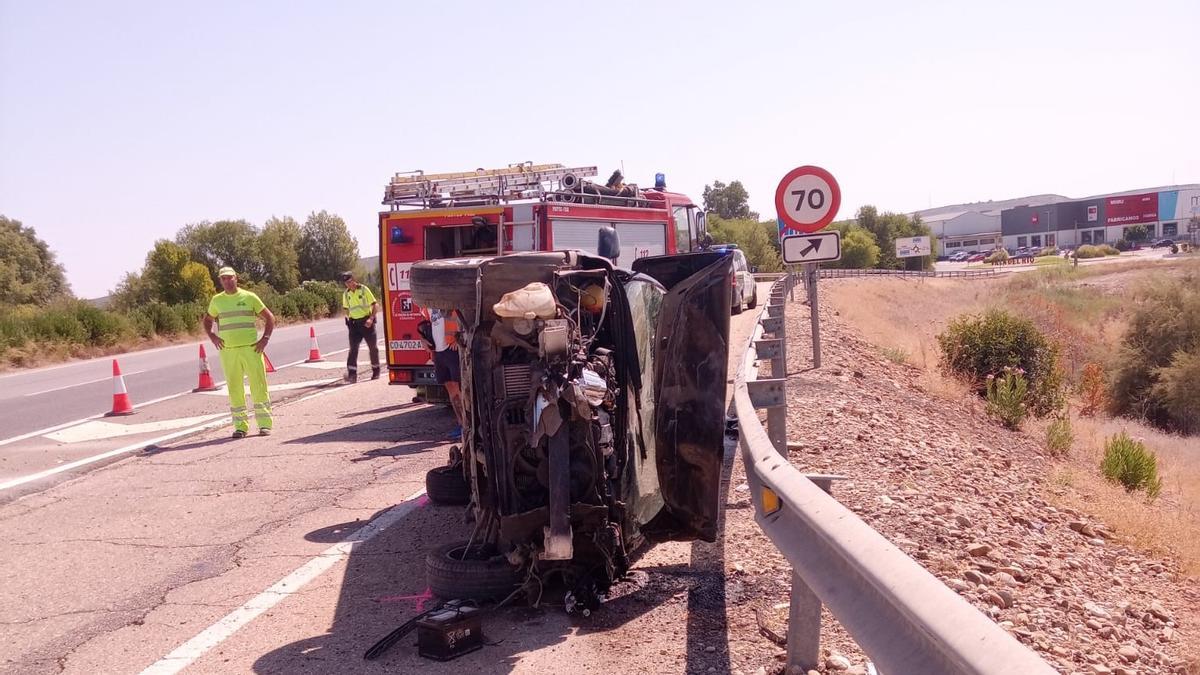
517 181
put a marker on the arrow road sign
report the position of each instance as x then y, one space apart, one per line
811 248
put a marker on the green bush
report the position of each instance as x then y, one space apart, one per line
103 328
1087 251
1049 250
998 256
1006 397
162 319
190 315
1109 250
1059 436
1129 463
330 292
974 347
308 305
59 324
1157 376
285 306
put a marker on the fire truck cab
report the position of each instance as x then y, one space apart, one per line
524 207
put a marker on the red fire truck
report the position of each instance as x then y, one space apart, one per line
524 207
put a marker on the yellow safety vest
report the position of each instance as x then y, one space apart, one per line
357 302
236 314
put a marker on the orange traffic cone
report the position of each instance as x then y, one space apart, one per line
314 352
267 360
206 381
121 404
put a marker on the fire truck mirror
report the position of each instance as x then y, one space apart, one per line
609 243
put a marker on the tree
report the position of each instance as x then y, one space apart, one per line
170 275
728 201
279 249
1137 233
886 228
326 247
132 292
225 242
859 250
749 236
29 273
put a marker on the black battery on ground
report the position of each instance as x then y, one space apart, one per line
449 633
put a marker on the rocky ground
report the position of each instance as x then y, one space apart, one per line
973 503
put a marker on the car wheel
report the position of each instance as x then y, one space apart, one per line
446 486
735 302
446 284
754 298
481 574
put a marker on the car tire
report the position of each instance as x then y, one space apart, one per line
736 302
754 299
446 284
446 486
484 574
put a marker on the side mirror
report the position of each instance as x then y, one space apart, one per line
608 244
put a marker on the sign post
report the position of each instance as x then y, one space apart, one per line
806 201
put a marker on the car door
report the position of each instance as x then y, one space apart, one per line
692 357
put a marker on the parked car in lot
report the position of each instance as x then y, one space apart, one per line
960 256
975 257
594 402
1163 243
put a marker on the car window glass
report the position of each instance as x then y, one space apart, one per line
645 305
683 232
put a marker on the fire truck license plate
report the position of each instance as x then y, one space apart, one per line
400 345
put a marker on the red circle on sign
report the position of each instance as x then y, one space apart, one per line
786 214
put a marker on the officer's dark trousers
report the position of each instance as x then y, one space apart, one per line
358 333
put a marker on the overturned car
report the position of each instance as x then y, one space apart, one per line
594 413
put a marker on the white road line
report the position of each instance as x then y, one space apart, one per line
188 652
80 384
64 425
140 444
105 455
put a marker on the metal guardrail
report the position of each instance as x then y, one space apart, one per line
836 273
902 616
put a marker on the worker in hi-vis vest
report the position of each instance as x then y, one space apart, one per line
235 311
360 306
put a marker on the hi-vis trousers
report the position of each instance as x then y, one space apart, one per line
241 362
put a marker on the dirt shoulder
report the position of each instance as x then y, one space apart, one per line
973 503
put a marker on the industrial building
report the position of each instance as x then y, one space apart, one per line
1054 220
1103 219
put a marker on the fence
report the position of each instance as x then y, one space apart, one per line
902 616
833 273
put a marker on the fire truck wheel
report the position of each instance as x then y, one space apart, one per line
478 573
445 284
446 486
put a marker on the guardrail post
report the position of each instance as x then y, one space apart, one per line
804 613
774 324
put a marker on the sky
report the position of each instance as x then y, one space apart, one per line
121 122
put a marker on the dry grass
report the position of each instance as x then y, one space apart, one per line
49 353
1082 307
1169 525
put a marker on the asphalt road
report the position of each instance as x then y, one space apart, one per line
47 397
206 555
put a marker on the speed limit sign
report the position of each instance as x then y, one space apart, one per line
807 200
